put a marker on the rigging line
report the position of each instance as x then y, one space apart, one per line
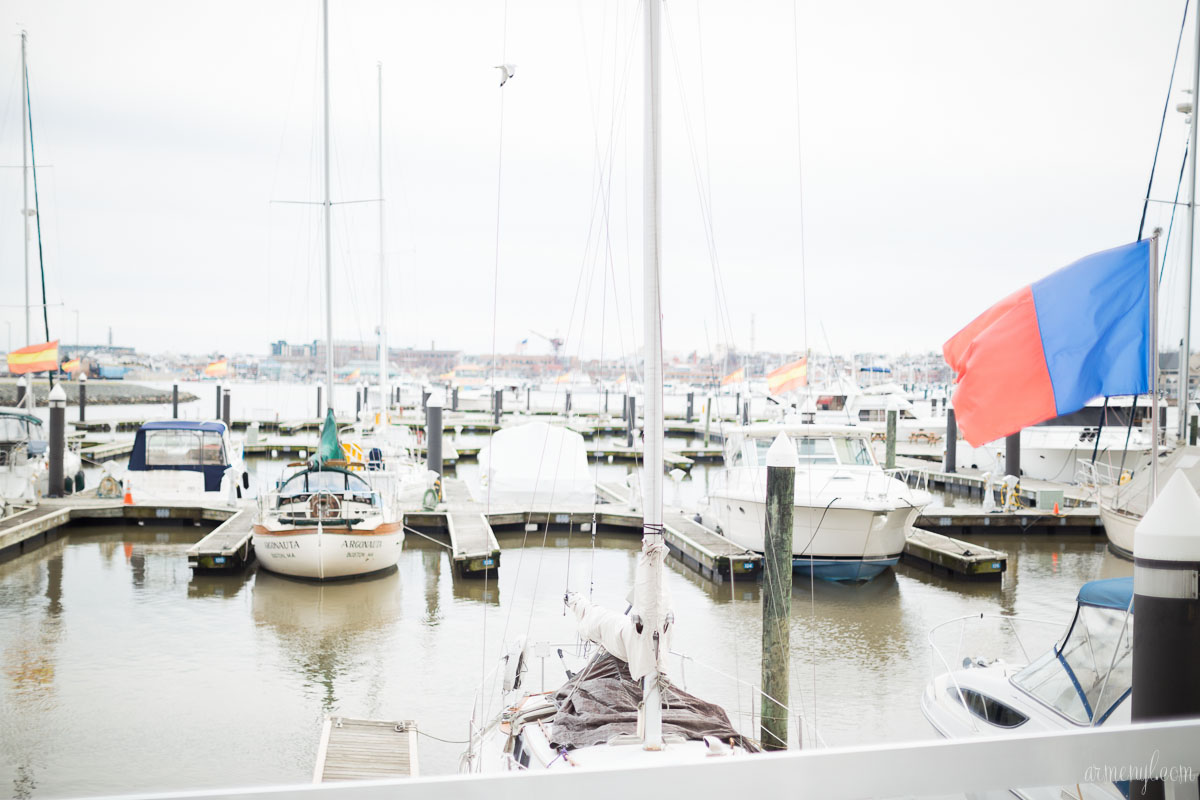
1174 208
724 316
37 213
1163 122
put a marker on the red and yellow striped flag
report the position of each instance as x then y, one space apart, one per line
34 358
737 376
71 366
217 369
788 377
353 376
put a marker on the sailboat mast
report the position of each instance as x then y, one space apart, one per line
1185 354
328 211
25 178
384 397
652 465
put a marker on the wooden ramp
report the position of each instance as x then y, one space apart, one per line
952 557
473 544
360 749
228 547
28 529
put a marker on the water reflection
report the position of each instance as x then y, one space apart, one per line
326 629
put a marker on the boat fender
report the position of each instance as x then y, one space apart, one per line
79 481
245 481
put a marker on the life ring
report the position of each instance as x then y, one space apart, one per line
324 505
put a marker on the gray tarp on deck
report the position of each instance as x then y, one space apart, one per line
602 701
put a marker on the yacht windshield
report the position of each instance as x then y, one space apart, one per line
1090 672
184 448
13 429
854 451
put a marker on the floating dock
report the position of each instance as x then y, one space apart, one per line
228 547
475 550
953 558
359 749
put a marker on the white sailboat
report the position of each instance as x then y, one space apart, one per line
611 713
335 517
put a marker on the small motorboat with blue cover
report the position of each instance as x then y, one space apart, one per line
1085 679
179 459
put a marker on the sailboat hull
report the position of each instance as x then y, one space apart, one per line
1119 528
328 553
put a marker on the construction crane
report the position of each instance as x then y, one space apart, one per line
555 341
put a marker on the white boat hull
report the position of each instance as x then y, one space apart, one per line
834 543
1119 528
328 553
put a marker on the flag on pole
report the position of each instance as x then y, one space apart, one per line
1049 348
34 358
788 377
353 376
737 376
71 366
217 369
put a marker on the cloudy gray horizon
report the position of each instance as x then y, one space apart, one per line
951 154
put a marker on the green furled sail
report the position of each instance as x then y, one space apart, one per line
328 449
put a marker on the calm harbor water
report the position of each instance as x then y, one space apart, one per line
123 672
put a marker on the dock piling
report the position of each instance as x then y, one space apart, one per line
568 404
746 412
320 408
433 440
1012 455
175 401
82 396
218 414
777 592
1166 639
498 405
631 419
58 439
707 420
225 415
691 405
22 383
454 399
951 442
357 404
890 458
1193 432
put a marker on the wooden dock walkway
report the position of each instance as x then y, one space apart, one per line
360 749
974 520
473 544
29 529
228 546
942 555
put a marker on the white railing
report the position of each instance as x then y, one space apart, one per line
909 769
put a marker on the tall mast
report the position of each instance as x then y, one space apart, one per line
25 177
328 210
651 605
1185 355
384 397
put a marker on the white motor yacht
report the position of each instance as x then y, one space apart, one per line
181 460
851 517
1083 680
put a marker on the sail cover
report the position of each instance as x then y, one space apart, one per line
328 449
602 701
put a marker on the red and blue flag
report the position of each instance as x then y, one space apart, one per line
1049 348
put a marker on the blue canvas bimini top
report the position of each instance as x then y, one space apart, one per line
1114 593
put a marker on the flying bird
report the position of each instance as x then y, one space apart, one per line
506 72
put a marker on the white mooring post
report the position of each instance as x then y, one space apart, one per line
1166 638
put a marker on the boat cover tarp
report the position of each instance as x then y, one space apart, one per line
213 473
537 464
602 701
328 449
1108 593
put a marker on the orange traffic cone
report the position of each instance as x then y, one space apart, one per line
129 494
1056 510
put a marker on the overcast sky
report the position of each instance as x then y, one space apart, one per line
951 153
